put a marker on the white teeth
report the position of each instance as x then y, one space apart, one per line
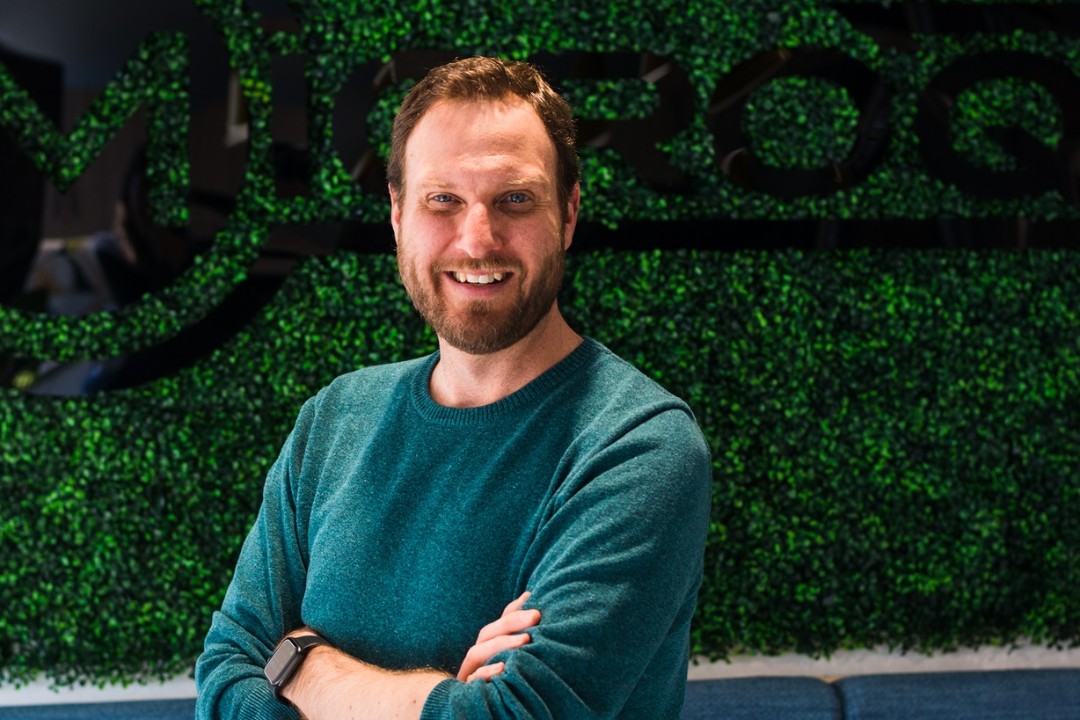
478 279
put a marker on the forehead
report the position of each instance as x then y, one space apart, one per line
490 136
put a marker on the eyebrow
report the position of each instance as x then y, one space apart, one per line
527 180
437 184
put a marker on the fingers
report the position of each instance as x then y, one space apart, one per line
487 672
516 604
506 633
481 652
513 622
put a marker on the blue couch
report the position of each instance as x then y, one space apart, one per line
133 710
989 695
984 695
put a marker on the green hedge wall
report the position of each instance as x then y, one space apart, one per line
895 434
895 437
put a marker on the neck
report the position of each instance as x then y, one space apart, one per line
464 380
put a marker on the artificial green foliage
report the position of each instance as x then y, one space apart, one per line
706 40
894 436
782 113
894 433
610 99
883 427
157 75
1004 103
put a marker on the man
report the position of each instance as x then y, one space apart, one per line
512 527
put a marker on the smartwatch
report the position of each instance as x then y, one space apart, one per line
286 660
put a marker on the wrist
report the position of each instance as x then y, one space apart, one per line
288 658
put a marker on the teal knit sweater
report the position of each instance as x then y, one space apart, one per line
397 528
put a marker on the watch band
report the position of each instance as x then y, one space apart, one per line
287 658
303 642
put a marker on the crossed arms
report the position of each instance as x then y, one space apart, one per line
331 685
613 558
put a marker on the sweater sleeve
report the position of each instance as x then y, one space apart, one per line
614 570
261 605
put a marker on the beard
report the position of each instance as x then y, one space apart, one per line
481 327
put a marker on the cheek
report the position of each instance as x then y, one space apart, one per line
429 233
417 238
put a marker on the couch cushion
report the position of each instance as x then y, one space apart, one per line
133 710
985 695
761 698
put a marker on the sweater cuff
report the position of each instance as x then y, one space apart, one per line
260 704
438 701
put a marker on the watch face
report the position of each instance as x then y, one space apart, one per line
282 659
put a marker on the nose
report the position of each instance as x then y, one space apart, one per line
477 235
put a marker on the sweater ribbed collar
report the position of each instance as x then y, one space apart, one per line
517 402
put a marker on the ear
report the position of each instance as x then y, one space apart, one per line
395 211
572 205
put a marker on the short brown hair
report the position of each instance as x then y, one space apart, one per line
483 78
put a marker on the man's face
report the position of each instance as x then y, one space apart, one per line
480 235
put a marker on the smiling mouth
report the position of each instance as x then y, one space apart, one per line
479 279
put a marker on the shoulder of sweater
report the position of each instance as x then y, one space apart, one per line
368 383
626 383
621 399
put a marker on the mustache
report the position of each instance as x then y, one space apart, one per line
478 266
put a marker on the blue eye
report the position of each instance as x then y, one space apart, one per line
517 198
